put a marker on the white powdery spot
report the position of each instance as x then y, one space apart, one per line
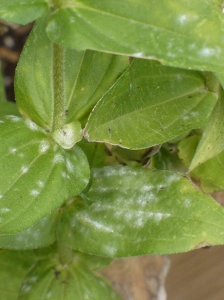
44 146
31 125
5 210
34 193
24 169
187 202
159 216
58 158
98 225
182 19
40 183
63 174
69 166
208 52
171 54
2 122
13 118
138 54
26 288
109 249
147 188
12 150
32 279
21 155
1 196
173 178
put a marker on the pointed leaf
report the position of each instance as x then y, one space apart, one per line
133 211
212 142
177 32
149 105
40 235
57 281
209 173
23 12
87 77
13 267
37 176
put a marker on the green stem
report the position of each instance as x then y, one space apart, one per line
59 98
65 253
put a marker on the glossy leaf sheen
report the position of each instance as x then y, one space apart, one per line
39 235
22 11
87 77
48 280
37 175
212 142
133 211
177 32
149 105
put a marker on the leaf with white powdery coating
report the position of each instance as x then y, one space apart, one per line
180 33
87 76
132 211
37 175
23 12
150 104
41 234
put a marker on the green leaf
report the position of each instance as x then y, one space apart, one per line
167 159
209 173
23 12
150 104
8 108
133 211
13 267
212 142
40 235
180 33
68 135
51 280
87 77
37 175
95 152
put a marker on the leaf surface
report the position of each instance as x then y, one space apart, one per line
132 211
55 281
212 141
150 104
180 33
86 78
209 173
40 235
22 12
13 267
37 176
